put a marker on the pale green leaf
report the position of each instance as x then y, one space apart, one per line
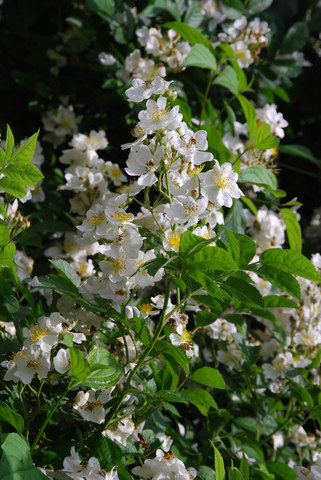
293 229
209 377
25 152
200 56
228 79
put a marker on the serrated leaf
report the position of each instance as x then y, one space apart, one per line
189 34
243 291
102 378
212 259
7 255
209 377
291 262
27 174
273 301
13 186
100 356
293 229
249 113
9 146
280 279
228 79
79 366
263 138
110 452
201 399
16 461
67 271
244 468
300 393
260 176
4 233
219 464
25 152
9 416
281 470
194 16
200 56
206 282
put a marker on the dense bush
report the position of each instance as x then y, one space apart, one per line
160 308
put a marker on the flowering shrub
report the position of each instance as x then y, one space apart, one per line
158 317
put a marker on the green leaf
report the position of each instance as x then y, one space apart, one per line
109 451
260 176
188 242
208 376
102 378
244 468
103 8
12 186
9 416
291 262
234 474
295 38
60 284
242 80
300 393
79 366
4 233
27 174
200 56
26 151
243 291
16 462
233 245
9 146
235 219
263 138
205 318
67 271
201 399
228 79
212 259
299 151
280 279
99 356
219 464
272 301
7 255
249 113
247 248
256 6
293 229
281 470
194 16
232 9
206 282
189 34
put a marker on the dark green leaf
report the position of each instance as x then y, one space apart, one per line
272 301
4 233
67 271
256 6
280 279
208 376
243 291
189 34
281 470
7 255
201 399
9 416
295 38
299 151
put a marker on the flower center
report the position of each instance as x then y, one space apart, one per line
36 333
222 181
96 219
174 239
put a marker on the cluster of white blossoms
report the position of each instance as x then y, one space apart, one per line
165 466
212 13
164 48
246 39
36 357
60 123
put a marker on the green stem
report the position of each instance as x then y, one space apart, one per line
212 75
145 354
50 414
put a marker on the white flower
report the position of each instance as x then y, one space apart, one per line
124 429
94 141
144 163
90 408
220 185
157 116
45 332
62 361
185 340
163 466
186 209
26 363
166 441
143 90
275 119
106 59
221 329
